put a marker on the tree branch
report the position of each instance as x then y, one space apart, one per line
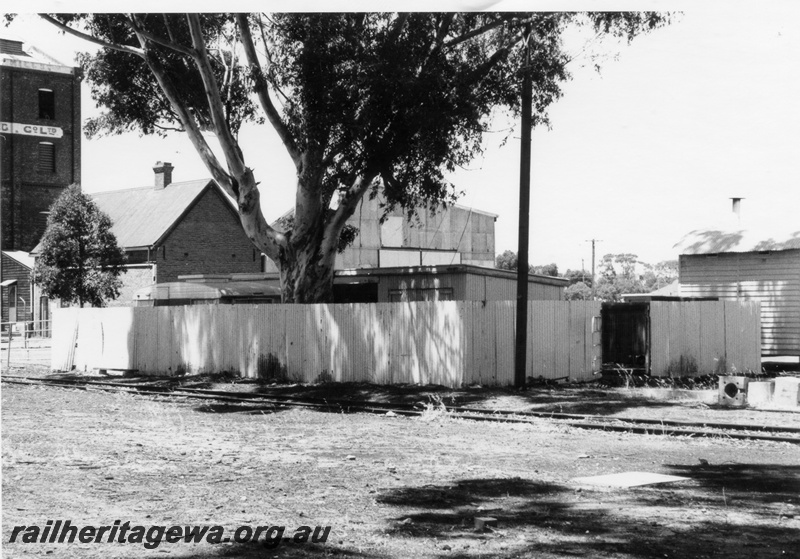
263 92
398 27
347 207
169 29
230 148
91 38
479 31
136 25
499 55
189 123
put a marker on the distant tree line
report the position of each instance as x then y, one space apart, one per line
617 274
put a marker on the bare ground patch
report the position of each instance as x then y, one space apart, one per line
388 486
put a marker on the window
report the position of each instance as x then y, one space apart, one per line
12 303
137 256
47 104
47 157
8 46
392 232
421 294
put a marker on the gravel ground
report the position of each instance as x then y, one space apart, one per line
390 486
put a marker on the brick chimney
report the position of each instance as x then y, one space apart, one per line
163 175
736 207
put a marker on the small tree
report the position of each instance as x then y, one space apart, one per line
79 260
578 291
506 261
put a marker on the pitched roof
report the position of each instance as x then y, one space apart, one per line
714 241
20 256
16 52
142 216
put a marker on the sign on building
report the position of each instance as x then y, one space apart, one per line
31 130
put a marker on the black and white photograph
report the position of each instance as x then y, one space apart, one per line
464 280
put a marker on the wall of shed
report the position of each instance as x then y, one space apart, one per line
771 278
470 233
467 287
14 270
489 288
451 343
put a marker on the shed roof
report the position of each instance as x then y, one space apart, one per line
207 290
20 256
449 269
715 241
142 216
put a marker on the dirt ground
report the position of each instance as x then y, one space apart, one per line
392 486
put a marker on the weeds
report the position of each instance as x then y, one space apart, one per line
269 367
435 409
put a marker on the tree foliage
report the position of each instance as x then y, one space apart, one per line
361 102
546 270
625 273
508 260
579 276
578 291
79 260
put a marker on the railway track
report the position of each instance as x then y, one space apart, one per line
253 403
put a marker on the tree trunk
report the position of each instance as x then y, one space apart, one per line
307 277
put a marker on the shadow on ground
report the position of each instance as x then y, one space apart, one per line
571 399
548 521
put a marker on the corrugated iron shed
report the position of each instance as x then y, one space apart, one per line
716 241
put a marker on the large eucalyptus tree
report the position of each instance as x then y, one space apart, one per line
359 100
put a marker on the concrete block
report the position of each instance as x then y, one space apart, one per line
760 392
787 391
483 522
733 391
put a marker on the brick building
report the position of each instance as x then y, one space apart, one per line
173 229
40 154
40 150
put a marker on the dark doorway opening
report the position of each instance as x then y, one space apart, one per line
626 336
355 293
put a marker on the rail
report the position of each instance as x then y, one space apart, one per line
252 403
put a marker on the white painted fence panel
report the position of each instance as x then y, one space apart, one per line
446 342
704 337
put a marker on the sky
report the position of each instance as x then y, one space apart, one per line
637 155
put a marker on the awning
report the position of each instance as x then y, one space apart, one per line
208 290
6 283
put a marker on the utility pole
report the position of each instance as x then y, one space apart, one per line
520 354
594 289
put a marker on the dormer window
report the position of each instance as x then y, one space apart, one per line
47 104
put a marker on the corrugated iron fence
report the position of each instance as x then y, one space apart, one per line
701 337
447 342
